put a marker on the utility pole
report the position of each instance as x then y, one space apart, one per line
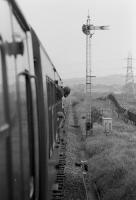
129 84
89 29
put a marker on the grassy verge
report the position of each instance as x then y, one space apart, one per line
112 159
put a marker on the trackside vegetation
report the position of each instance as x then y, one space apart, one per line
112 157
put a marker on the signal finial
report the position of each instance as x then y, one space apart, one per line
88 14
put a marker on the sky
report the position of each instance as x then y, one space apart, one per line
58 24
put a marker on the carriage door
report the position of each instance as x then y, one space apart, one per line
5 145
20 33
29 145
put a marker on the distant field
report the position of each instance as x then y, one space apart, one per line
112 158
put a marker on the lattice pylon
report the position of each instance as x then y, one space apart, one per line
129 82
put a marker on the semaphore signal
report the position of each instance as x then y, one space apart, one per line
88 29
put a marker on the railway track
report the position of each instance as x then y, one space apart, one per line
71 183
58 193
69 180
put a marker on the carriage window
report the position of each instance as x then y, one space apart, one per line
2 114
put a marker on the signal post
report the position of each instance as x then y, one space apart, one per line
89 29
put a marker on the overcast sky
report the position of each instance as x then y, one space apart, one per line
58 23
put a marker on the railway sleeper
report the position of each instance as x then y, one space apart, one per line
57 191
60 175
62 161
60 172
58 195
60 167
58 198
60 185
60 180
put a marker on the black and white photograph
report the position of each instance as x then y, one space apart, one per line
67 100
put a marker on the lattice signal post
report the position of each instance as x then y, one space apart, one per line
88 29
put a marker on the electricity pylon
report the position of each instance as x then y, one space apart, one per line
88 29
129 83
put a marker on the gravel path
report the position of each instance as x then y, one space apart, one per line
73 185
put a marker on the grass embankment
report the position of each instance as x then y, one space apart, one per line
112 159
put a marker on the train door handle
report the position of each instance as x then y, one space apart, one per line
27 73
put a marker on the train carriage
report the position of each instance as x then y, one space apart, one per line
29 84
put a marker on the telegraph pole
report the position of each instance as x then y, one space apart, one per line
88 29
